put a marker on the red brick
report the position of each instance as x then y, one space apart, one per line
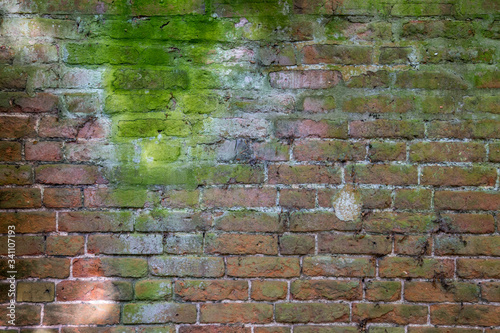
158 313
250 221
214 329
316 104
326 289
17 127
467 314
427 268
55 127
16 175
400 222
468 245
41 102
65 245
297 244
241 244
244 197
464 200
68 174
20 198
370 79
387 151
81 314
271 151
413 199
25 245
458 176
477 129
56 197
269 290
211 290
43 150
181 199
401 314
26 314
125 244
80 290
258 313
86 221
310 128
312 79
10 151
378 104
297 199
271 267
330 151
28 222
302 174
370 198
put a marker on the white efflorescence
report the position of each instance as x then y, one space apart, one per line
347 204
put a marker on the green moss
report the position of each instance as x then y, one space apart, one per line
153 290
141 128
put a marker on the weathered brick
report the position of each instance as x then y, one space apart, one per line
236 313
429 80
326 289
43 150
427 268
181 199
441 291
26 314
478 268
413 199
241 244
434 329
401 314
68 174
10 151
281 55
65 245
125 244
387 291
285 129
297 199
164 220
301 174
329 151
153 290
245 197
117 197
490 291
214 329
20 198
297 244
17 127
458 176
315 104
386 174
183 243
467 223
94 290
474 129
16 175
467 245
249 221
312 79
382 128
269 290
354 244
464 200
395 55
447 152
28 222
40 268
387 151
370 79
157 313
336 54
211 290
413 245
339 266
311 312
25 245
387 222
320 221
56 197
272 267
183 266
110 266
35 292
86 221
453 314
378 104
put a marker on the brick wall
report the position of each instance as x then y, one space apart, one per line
253 166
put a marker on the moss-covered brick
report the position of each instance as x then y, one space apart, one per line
141 128
153 290
132 79
155 313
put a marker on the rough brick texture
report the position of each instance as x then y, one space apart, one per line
253 166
